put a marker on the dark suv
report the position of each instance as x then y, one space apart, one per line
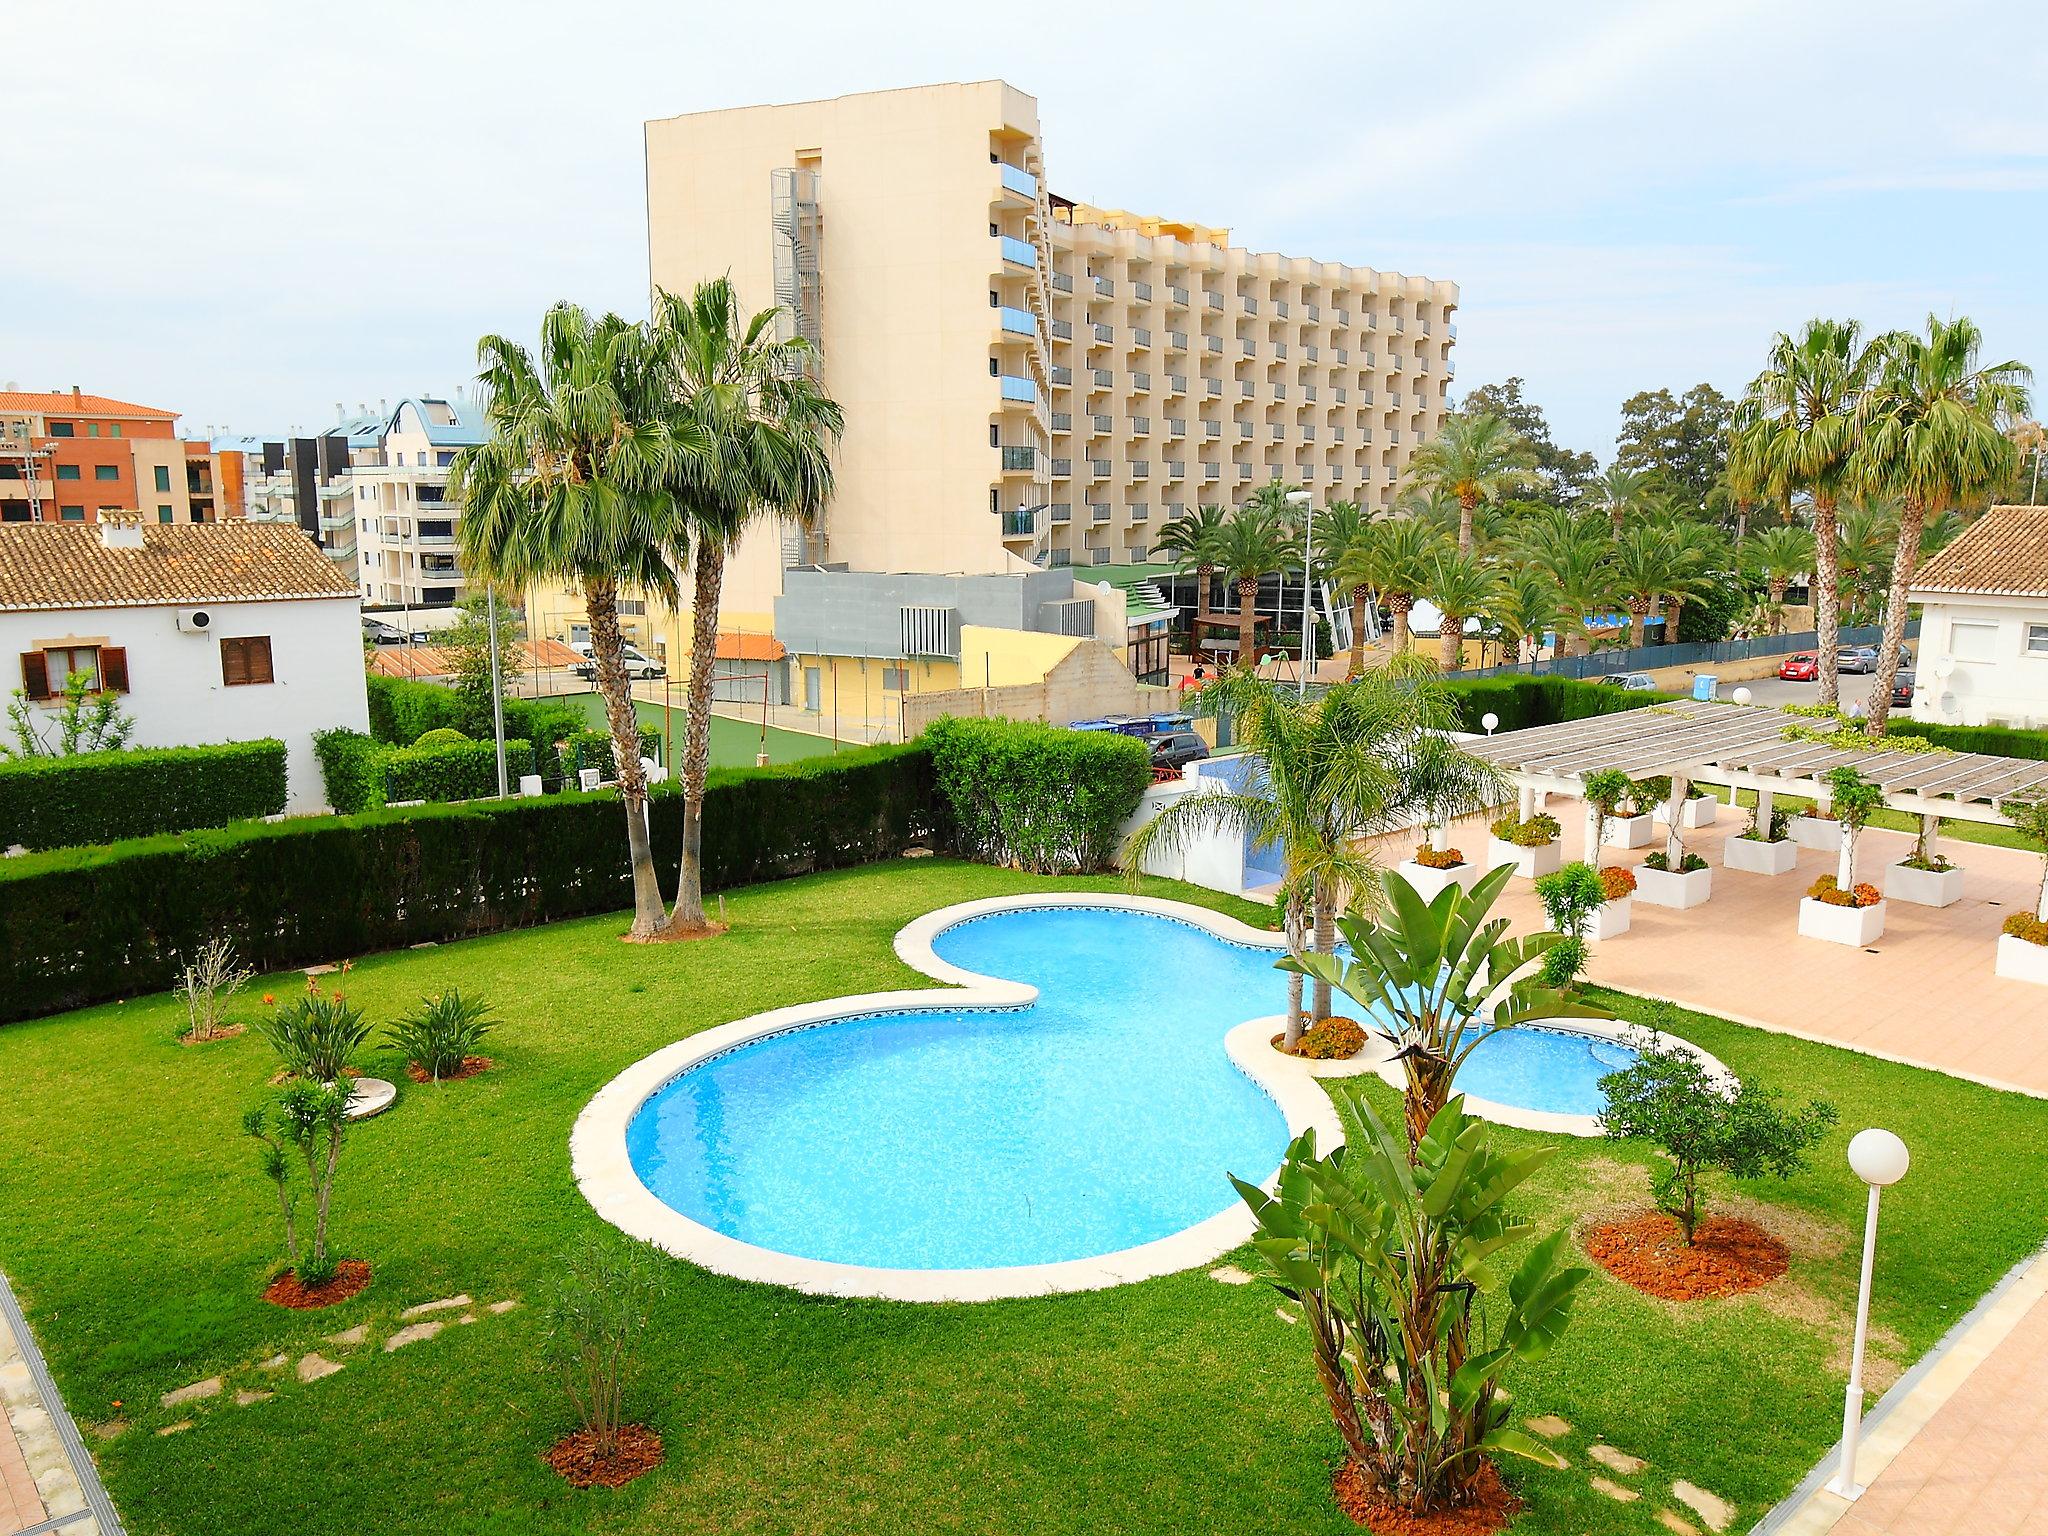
1176 749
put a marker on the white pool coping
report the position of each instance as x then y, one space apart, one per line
604 1171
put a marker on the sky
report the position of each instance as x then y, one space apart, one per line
252 213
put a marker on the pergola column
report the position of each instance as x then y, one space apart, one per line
1440 833
1592 834
1763 810
1674 846
1528 806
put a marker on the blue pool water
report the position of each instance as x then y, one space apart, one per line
1103 1116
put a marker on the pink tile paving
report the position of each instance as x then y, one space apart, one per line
20 1505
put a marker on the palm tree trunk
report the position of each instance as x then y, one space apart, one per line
1450 641
1400 602
1203 573
1905 560
1467 502
1674 605
1778 604
1827 616
608 650
1326 944
688 919
1247 592
1294 922
1638 622
1357 662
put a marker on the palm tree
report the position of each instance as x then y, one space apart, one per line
1701 549
1794 434
1646 565
1340 536
1576 553
1620 493
1253 543
1781 554
569 487
1462 587
1474 458
1525 605
1933 432
1327 776
763 431
1190 541
1865 531
1397 564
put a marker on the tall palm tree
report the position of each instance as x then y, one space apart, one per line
1794 434
1397 563
1372 755
1462 587
1620 493
1934 432
1699 550
1646 565
1342 529
1475 458
1865 531
1254 542
1190 542
1576 553
1781 554
570 487
765 431
1525 605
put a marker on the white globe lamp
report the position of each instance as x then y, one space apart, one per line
1880 1160
1490 721
1743 696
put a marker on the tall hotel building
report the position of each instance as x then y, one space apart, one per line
1030 380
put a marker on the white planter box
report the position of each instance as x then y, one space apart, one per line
1700 812
1757 857
1611 918
2019 960
1817 832
1926 887
1661 888
1543 859
1854 926
1428 882
1629 832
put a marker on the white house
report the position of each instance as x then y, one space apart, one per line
229 631
1984 624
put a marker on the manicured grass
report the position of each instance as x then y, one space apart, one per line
734 742
135 1226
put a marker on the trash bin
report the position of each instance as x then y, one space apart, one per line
1705 685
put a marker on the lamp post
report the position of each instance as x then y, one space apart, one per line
497 686
1879 1159
1303 500
1490 722
1743 695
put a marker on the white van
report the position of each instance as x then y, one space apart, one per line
639 666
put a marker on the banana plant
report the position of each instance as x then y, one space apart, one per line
1437 979
1388 1255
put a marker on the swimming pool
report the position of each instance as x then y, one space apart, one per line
1065 1120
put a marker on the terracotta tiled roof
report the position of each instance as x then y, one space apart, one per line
63 403
2005 552
734 646
423 661
66 565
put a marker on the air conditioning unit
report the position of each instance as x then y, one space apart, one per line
195 621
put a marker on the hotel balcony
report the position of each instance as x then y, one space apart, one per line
1020 322
1019 253
1019 391
1019 460
1021 524
1019 183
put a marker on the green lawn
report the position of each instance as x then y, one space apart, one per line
137 1230
733 742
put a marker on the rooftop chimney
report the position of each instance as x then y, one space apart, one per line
340 415
77 395
121 530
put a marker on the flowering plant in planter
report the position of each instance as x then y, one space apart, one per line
1538 830
1332 1039
2024 925
1617 883
1818 812
1437 858
1861 894
1686 864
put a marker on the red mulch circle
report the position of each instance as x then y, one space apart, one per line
1728 1256
575 1457
350 1276
1489 1511
471 1065
224 1032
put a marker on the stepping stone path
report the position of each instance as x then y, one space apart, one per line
1714 1510
247 1399
1675 1525
1230 1274
317 1368
1285 1316
1549 1426
445 1304
274 1363
178 1428
1616 1461
349 1336
193 1393
1614 1491
412 1333
501 1307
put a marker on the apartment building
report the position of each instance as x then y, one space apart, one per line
68 456
405 525
310 480
1030 380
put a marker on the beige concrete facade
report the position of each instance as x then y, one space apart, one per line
1027 378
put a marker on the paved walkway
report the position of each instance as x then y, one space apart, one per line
47 1482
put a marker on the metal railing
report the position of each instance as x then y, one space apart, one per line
1684 653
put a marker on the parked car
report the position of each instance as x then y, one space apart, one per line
1803 667
1902 691
1176 749
1864 658
1634 682
639 666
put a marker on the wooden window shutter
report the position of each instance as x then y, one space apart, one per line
35 674
234 663
259 659
245 659
114 668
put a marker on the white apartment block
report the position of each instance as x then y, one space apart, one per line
405 526
1031 380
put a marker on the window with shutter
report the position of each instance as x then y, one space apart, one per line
114 668
245 659
35 675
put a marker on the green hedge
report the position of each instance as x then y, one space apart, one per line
464 771
1997 740
100 797
352 766
1521 702
88 925
1037 797
401 712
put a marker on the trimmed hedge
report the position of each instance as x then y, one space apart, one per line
88 925
1521 702
352 767
1997 740
101 797
463 771
1037 797
402 711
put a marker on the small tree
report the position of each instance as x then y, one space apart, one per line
1702 1122
467 645
207 983
85 721
602 1304
1570 897
277 1168
442 1033
1605 792
1853 798
311 1119
2030 817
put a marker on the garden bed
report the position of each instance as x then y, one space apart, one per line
1647 1250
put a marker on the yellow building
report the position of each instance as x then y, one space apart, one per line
1030 380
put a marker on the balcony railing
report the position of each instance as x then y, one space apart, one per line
1099 468
1279 349
1312 354
1104 334
1140 337
1244 389
1023 391
1138 512
1340 317
1019 321
1019 458
1308 433
1280 308
1063 511
1213 300
1062 282
1176 426
1251 305
1104 288
1212 386
1278 432
1279 391
1244 429
1098 511
1021 182
1141 426
1063 329
1178 296
1244 471
1141 383
1022 524
1340 357
1176 469
1308 392
1142 292
1313 312
1212 429
1018 252
1212 471
1176 383
1062 374
1103 425
1062 421
1248 348
1062 469
1104 378
1212 343
1177 340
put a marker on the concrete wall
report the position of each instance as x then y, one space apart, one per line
177 698
858 613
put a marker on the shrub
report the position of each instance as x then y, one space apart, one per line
314 1035
442 1033
1656 789
1609 790
603 1302
313 1119
1438 858
2024 925
1538 831
402 711
1688 863
1818 812
1932 863
210 978
101 797
1331 1039
1037 797
1617 882
1570 896
1862 894
92 924
352 766
442 736
466 771
1520 702
1781 821
1668 1098
1995 740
